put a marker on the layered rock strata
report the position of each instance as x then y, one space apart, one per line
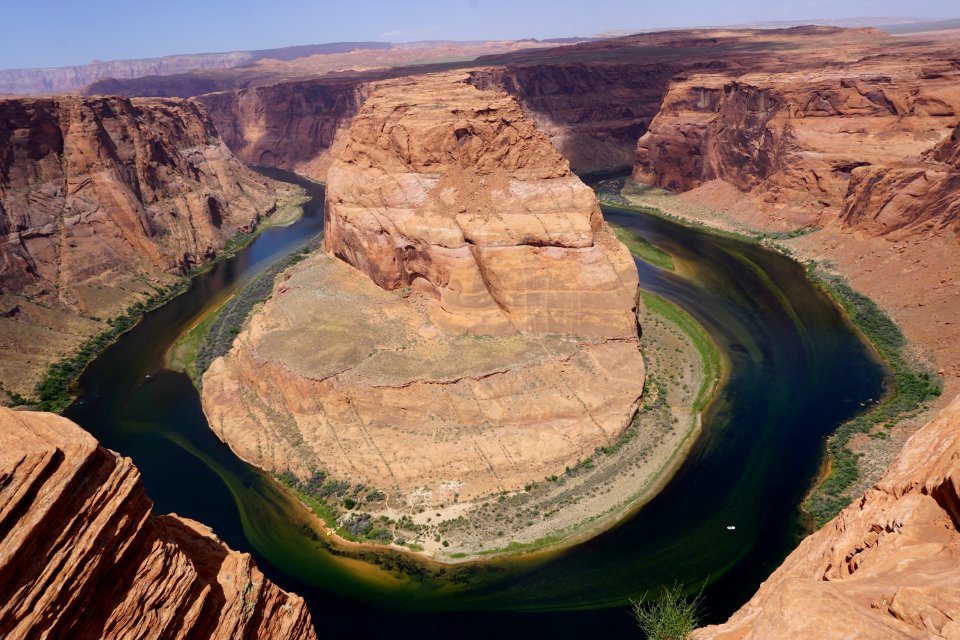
81 555
473 329
102 199
299 126
887 567
852 140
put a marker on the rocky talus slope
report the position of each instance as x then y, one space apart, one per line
81 555
473 328
887 567
101 200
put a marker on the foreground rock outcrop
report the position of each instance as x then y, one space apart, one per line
102 200
474 328
81 555
887 567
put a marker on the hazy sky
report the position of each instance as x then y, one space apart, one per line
38 33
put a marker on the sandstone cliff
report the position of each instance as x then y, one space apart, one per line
453 191
903 200
81 555
852 139
294 125
485 335
100 200
887 567
594 99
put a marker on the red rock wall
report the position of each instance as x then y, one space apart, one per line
854 143
293 125
82 557
93 188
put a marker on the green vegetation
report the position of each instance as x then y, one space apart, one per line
53 391
517 547
704 344
214 335
672 616
337 503
643 249
909 389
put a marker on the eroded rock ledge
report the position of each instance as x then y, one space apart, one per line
887 567
860 142
82 557
476 329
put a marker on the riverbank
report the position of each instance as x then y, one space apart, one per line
861 448
53 391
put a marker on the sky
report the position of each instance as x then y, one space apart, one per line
47 33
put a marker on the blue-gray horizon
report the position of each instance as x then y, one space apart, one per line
53 33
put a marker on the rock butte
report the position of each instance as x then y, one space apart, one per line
478 330
886 567
81 555
100 198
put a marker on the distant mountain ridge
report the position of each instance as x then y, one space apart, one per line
34 81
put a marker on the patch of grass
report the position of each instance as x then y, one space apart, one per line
517 547
910 388
701 340
214 336
643 249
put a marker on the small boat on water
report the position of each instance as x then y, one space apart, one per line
731 527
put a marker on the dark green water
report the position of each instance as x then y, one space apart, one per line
798 370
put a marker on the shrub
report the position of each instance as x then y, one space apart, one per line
670 617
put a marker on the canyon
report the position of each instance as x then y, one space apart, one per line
82 556
469 278
594 99
472 325
105 202
860 154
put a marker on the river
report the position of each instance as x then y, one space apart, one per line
798 369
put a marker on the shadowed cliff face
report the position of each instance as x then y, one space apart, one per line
593 113
292 125
82 557
886 567
102 199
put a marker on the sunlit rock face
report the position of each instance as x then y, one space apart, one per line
472 327
81 555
